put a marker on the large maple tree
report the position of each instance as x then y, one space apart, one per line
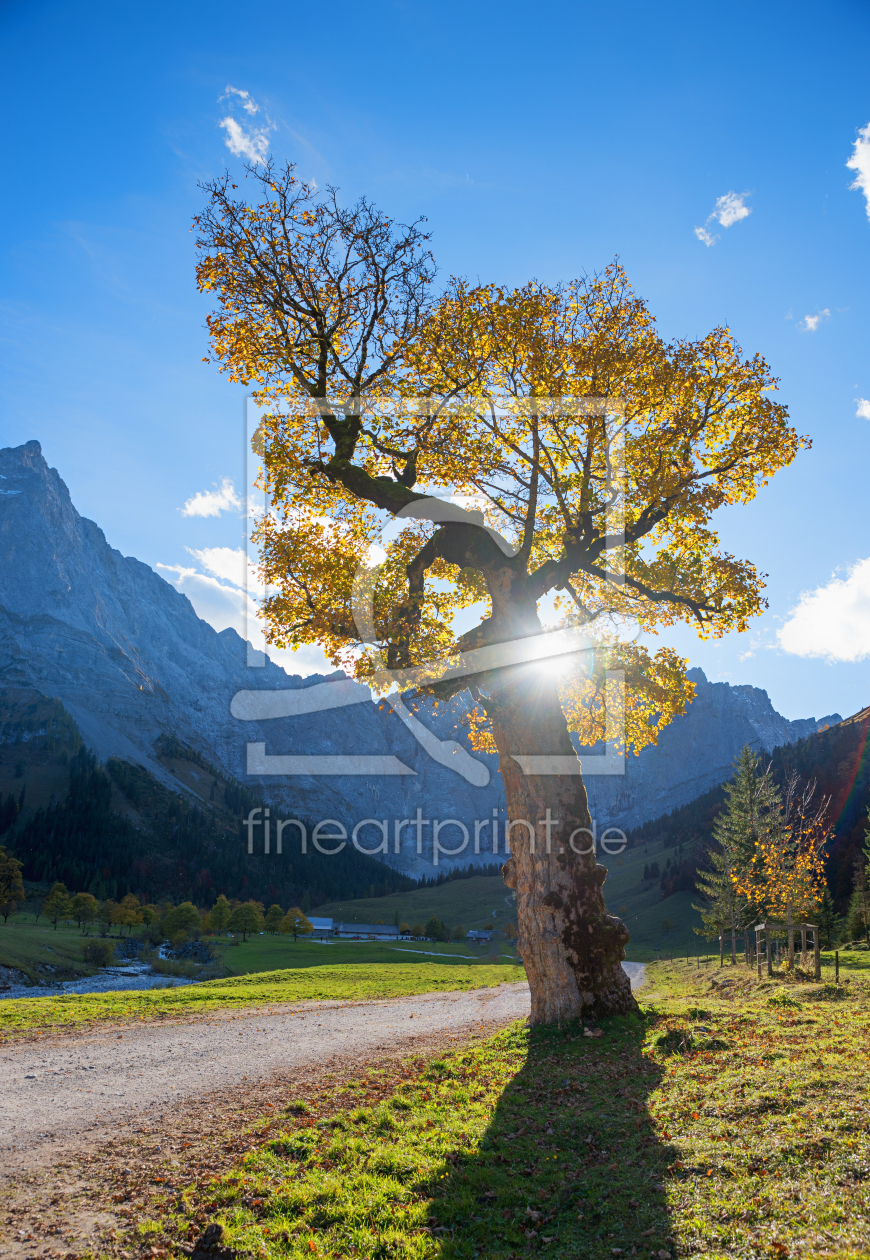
595 454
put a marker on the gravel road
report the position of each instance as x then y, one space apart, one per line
54 1088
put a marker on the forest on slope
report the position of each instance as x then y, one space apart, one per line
114 829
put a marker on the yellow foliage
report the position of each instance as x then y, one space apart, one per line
551 408
786 873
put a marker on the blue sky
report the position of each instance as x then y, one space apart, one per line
539 141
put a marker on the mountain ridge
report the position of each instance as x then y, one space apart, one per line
131 661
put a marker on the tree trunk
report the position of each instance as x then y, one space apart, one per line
790 938
733 946
572 948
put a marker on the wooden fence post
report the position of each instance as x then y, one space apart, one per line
817 953
758 951
837 965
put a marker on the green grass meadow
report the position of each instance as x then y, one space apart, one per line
731 1118
270 953
262 989
469 902
43 954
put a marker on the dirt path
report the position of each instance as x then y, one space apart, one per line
54 1088
85 1113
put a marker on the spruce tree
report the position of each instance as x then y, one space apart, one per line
753 803
828 920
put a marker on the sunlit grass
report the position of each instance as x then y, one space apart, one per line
348 982
731 1120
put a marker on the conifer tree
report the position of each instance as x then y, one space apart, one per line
787 867
753 805
828 920
858 914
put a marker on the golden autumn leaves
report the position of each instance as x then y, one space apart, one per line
316 301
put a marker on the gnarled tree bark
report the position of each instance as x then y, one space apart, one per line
572 948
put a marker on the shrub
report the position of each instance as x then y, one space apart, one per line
781 999
98 953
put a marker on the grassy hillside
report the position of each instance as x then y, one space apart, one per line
43 955
485 899
639 903
469 902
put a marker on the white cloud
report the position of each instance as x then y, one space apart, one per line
247 101
729 209
221 606
863 412
810 323
859 162
227 563
254 145
832 621
226 607
703 235
212 502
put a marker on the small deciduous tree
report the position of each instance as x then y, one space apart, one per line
272 922
787 867
330 313
106 912
247 918
220 914
183 918
84 908
150 914
11 884
129 913
295 923
57 904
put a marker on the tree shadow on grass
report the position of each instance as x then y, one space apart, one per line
570 1165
